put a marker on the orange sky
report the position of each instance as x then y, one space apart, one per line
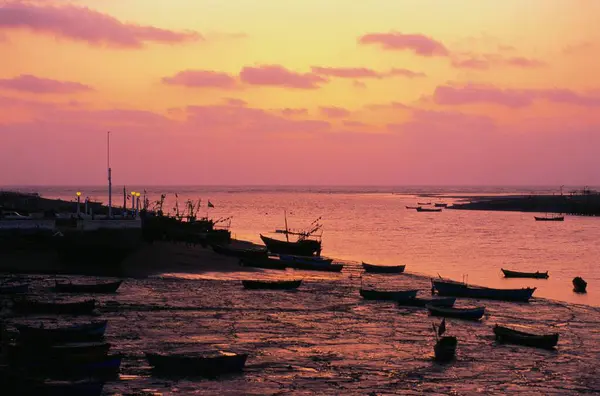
300 91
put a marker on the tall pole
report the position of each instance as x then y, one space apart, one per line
109 177
124 201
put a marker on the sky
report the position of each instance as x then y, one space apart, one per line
300 92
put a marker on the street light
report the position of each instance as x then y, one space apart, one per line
137 205
132 201
78 202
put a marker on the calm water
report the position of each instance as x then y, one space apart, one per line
372 225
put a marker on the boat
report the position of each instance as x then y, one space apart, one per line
272 284
14 289
302 247
60 388
549 218
267 263
579 285
457 289
423 203
58 352
383 269
100 367
368 294
66 308
411 207
459 313
422 302
445 349
441 205
508 335
420 209
241 253
88 331
316 266
197 364
517 274
104 287
306 259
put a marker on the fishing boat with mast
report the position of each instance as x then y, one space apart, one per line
303 246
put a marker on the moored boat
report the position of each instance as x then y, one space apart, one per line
57 352
316 266
457 289
197 364
423 203
422 302
305 259
459 313
267 263
62 388
98 367
411 207
14 289
445 349
579 285
508 335
441 205
88 331
301 247
103 287
255 254
420 209
66 308
383 269
272 284
553 218
369 294
517 274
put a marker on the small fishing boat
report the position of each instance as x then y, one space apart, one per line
14 289
88 331
423 203
100 367
368 294
58 352
255 254
272 284
422 302
267 263
103 287
197 364
517 274
411 207
445 349
305 260
459 313
66 308
383 269
317 267
549 218
420 209
505 334
457 289
579 285
301 247
441 205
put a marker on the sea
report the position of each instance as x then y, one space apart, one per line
372 225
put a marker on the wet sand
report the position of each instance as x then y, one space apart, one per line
325 339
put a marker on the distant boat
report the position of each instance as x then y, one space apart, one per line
67 368
459 313
302 247
411 207
305 259
423 203
104 287
516 274
368 294
383 269
457 289
272 284
67 308
266 263
441 205
505 334
241 253
80 332
549 218
420 209
422 302
14 289
197 364
579 285
445 348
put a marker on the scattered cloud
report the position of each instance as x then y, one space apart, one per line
359 84
275 75
293 112
334 112
235 102
363 72
582 47
33 84
354 124
202 79
388 106
395 41
487 61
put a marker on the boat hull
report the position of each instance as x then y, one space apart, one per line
306 247
507 335
74 308
14 289
108 287
253 254
388 295
197 365
445 349
317 266
271 285
458 313
267 263
560 218
422 302
383 269
85 332
445 288
517 274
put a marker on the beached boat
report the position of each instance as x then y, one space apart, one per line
316 266
459 313
423 203
505 334
579 285
79 352
441 205
267 263
301 247
197 364
241 253
457 289
88 331
66 308
61 388
305 259
420 209
99 367
550 218
14 289
411 207
103 287
369 294
422 302
517 274
445 349
272 284
383 269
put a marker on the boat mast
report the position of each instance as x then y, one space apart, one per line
109 177
287 232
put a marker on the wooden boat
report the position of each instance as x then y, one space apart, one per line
423 203
516 274
200 365
420 209
505 334
255 254
451 288
302 247
411 207
14 289
79 332
441 205
383 269
67 308
267 263
61 352
104 287
579 285
101 367
316 266
553 218
460 313
422 302
305 259
387 295
272 284
445 349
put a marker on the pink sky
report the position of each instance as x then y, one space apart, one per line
300 92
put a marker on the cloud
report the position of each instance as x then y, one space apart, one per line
293 112
84 24
359 84
275 75
583 47
487 61
387 106
235 102
363 72
520 61
405 73
202 79
395 41
33 84
334 112
354 124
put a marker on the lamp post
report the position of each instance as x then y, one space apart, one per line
137 205
132 202
78 202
